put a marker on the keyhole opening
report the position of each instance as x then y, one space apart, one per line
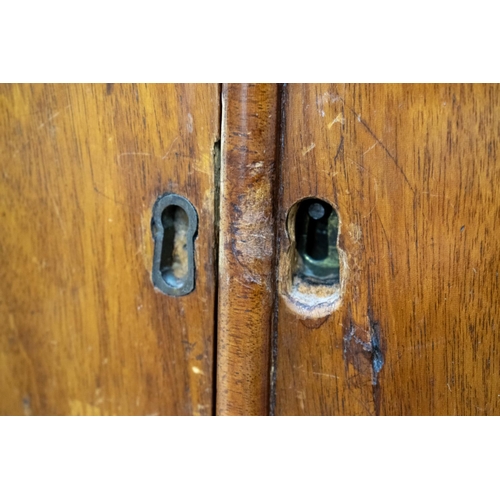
316 233
174 260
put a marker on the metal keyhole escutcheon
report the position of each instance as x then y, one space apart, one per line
174 226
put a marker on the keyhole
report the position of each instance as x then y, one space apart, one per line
174 258
174 226
316 233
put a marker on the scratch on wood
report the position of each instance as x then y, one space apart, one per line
338 119
170 148
340 149
308 149
370 148
369 130
325 375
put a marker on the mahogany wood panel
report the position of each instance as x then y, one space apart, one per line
82 330
246 250
415 175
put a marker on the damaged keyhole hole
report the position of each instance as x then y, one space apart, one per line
316 235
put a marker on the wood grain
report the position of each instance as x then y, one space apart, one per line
246 256
82 330
414 173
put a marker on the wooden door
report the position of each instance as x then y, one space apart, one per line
414 173
82 329
410 324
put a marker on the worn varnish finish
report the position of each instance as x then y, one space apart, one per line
246 283
414 172
82 331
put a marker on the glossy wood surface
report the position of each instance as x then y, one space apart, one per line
82 330
414 171
247 241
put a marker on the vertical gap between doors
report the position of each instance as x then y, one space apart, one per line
217 165
278 188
